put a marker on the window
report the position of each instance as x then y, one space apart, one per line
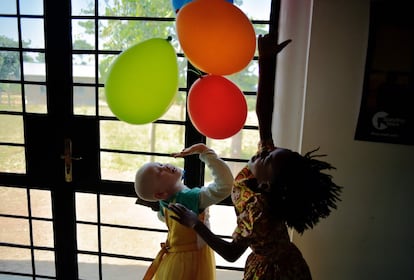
105 208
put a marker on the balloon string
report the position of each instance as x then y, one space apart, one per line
195 71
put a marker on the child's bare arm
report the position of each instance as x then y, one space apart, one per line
230 251
220 188
268 49
194 149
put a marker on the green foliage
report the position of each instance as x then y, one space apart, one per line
82 45
9 61
8 42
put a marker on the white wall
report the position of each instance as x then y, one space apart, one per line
371 235
294 23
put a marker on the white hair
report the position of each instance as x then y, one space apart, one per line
142 185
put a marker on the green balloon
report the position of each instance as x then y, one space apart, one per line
143 81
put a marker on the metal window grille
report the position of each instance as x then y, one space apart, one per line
43 220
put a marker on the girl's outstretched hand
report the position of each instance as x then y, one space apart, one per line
194 149
184 216
268 45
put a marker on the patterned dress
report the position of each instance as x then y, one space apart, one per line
273 256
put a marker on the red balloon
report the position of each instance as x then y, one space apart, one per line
216 106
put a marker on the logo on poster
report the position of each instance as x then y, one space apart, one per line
379 120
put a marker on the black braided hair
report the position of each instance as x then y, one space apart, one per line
301 194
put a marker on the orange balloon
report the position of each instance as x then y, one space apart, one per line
216 107
216 36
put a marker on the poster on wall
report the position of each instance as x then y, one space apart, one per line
387 105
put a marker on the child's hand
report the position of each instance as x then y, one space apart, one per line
184 216
194 149
154 205
268 46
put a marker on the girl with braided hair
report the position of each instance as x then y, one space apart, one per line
277 189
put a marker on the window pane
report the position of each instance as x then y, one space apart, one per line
14 277
222 219
177 110
246 79
243 145
86 207
34 71
31 7
13 201
104 64
158 8
8 30
11 128
229 274
122 167
125 34
11 68
36 99
103 105
87 237
83 34
42 233
32 32
122 269
223 222
131 242
41 203
143 216
120 210
17 231
251 113
84 101
12 159
10 97
153 137
44 263
16 260
83 7
235 167
182 72
83 68
88 266
258 9
8 7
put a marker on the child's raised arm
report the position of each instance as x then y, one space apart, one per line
268 50
194 149
220 188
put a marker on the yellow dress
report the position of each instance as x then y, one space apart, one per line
183 256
